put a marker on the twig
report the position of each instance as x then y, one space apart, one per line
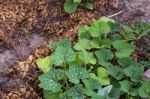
115 14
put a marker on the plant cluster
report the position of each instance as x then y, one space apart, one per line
71 6
98 66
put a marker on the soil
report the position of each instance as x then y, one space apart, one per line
133 11
9 57
138 9
27 26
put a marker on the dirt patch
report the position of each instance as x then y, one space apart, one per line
10 56
143 48
133 11
9 83
138 9
7 58
21 81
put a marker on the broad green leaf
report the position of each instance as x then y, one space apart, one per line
144 90
103 56
93 76
104 80
95 29
63 95
83 32
114 94
75 92
56 74
88 5
102 75
50 95
92 94
125 62
49 80
63 53
126 86
115 91
77 1
95 43
89 92
114 26
45 63
104 26
70 6
117 37
91 84
105 43
75 73
82 44
107 25
134 72
87 57
105 19
102 72
123 48
105 91
98 97
116 72
134 92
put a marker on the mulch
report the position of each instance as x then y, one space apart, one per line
19 20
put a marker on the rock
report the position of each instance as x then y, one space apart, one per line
35 41
7 58
147 75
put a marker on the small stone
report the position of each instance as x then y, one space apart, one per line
147 75
7 58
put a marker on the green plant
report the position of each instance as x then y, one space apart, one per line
98 66
136 31
71 6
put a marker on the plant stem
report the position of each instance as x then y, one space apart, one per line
65 79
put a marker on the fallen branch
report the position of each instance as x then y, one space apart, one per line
115 14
